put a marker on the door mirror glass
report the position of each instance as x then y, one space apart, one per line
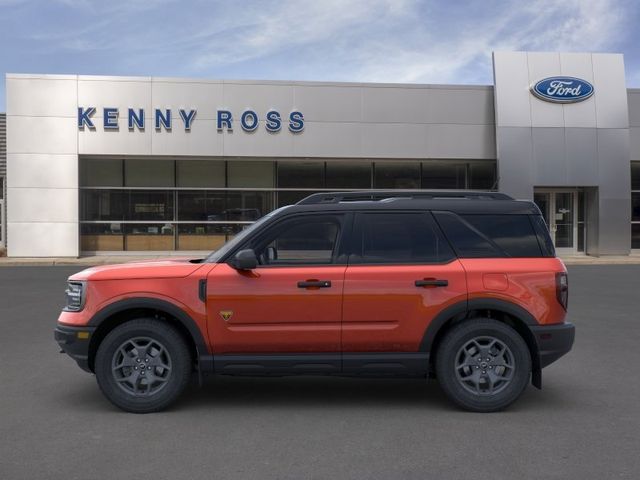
244 260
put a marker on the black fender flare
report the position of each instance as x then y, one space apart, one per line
156 304
461 309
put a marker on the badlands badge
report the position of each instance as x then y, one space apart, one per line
226 314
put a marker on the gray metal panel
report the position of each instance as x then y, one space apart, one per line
612 103
614 192
461 141
582 156
3 144
515 161
633 96
581 114
512 99
549 156
634 139
458 106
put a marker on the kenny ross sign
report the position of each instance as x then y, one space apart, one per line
164 119
562 89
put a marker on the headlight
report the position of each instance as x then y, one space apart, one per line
75 296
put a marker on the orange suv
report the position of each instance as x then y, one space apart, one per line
461 286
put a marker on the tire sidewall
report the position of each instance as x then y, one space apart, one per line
456 339
178 377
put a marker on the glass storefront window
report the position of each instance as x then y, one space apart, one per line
150 205
343 174
149 173
482 176
635 175
443 175
243 174
205 195
200 173
402 175
635 235
635 206
300 174
101 172
98 205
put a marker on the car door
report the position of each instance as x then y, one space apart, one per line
402 272
290 303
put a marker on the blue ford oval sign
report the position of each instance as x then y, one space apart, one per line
562 89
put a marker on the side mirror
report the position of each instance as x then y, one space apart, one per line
244 260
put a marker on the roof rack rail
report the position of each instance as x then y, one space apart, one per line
379 195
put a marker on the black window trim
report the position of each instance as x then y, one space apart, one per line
355 236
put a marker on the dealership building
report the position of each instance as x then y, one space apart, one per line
104 165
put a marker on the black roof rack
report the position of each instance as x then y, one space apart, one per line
379 195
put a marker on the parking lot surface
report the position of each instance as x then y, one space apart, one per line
584 424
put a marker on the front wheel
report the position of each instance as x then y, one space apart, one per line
143 365
483 365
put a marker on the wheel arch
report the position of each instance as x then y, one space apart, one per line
121 311
506 312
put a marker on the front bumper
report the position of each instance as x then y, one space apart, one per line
74 341
553 341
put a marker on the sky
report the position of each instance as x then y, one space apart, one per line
397 41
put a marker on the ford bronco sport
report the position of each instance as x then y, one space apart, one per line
461 286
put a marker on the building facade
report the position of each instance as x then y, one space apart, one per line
147 164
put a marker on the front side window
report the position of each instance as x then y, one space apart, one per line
399 238
301 241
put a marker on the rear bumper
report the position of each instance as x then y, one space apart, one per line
74 341
553 341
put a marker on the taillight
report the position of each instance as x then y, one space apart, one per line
562 289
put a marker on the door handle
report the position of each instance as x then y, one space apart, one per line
431 282
315 284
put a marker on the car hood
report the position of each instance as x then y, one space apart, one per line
165 268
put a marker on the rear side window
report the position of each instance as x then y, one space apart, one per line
481 236
398 238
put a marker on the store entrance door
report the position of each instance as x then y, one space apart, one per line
564 213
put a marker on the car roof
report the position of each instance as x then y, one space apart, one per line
457 201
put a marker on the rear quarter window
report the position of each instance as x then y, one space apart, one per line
484 236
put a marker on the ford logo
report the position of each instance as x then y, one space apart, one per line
562 89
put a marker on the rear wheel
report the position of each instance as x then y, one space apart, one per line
143 365
483 365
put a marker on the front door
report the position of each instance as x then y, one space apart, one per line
291 303
401 274
560 211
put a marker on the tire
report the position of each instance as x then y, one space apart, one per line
143 365
472 382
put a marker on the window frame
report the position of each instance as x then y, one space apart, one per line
261 238
357 232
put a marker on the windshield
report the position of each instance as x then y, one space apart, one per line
216 255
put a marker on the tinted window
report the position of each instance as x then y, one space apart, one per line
514 234
468 242
399 238
303 240
491 235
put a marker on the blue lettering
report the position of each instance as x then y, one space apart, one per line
187 118
163 120
296 122
110 118
136 120
249 120
84 117
274 122
224 119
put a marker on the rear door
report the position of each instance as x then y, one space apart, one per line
401 274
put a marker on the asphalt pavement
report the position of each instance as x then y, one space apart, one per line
584 423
